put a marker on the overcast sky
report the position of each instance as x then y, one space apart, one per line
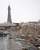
21 10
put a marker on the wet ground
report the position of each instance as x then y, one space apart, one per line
3 43
14 44
9 44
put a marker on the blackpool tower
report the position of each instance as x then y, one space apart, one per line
9 15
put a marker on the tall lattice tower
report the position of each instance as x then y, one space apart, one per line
9 15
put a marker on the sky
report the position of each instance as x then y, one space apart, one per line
21 10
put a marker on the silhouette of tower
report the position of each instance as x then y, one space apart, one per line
9 15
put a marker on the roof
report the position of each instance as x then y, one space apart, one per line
6 24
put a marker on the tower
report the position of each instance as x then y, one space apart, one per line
9 15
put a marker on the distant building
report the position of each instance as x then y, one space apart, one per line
9 15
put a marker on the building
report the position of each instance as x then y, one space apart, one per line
9 15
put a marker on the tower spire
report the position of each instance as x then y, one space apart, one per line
9 15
